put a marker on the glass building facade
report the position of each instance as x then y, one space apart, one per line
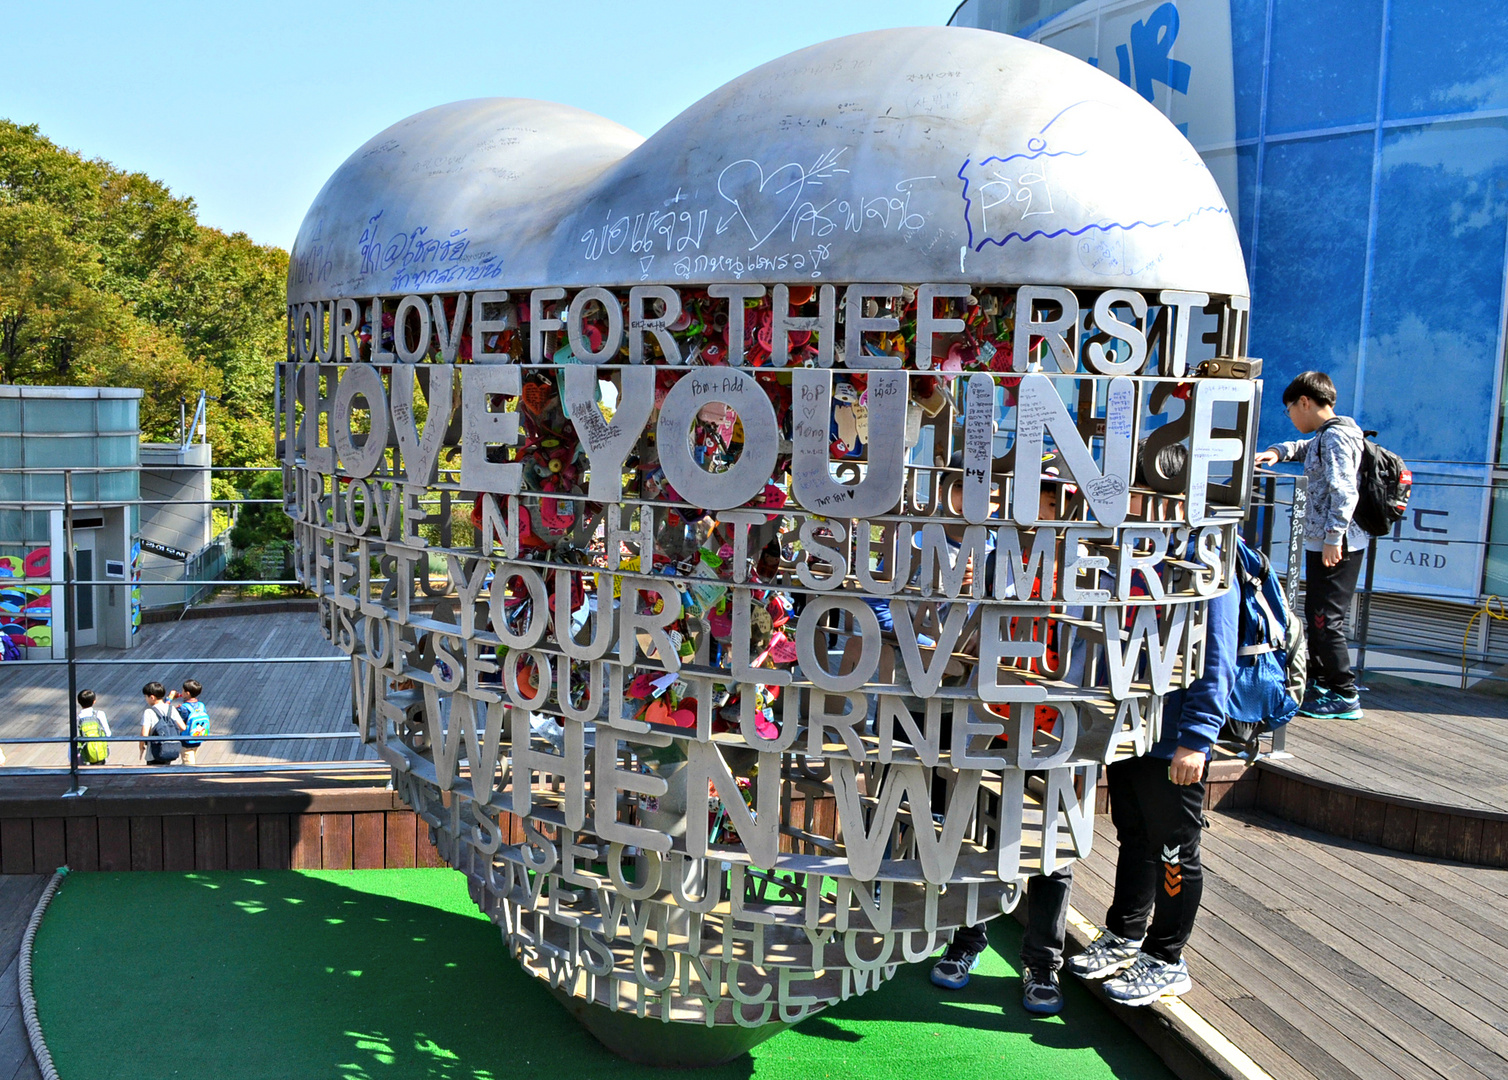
1363 148
43 431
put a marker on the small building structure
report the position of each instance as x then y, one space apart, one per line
49 436
140 512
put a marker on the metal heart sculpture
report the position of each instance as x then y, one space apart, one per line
737 534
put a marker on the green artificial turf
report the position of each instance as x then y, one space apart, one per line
391 974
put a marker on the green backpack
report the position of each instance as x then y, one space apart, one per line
97 750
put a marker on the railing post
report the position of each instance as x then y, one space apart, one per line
1364 618
1296 542
71 610
1269 512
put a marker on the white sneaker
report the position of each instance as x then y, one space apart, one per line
1148 979
1105 955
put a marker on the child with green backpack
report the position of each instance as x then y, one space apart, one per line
94 729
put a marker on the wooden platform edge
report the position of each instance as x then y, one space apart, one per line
104 801
182 824
1169 1032
1458 834
212 611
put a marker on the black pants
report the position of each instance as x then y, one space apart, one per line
1327 600
1157 823
1046 921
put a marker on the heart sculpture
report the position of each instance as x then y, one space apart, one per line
766 651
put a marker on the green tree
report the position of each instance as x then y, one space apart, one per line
106 278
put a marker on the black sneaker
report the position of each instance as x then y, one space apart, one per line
951 972
1040 992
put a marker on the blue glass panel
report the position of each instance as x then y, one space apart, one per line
1323 70
59 453
1446 56
57 414
1248 38
118 414
12 530
1246 183
117 449
1311 255
44 487
1437 286
119 486
1497 538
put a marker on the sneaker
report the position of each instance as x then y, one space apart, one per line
1148 979
1040 992
1106 955
951 972
1315 693
1334 706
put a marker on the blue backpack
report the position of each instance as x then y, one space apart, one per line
1272 659
195 718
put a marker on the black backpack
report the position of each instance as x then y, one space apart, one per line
164 745
1384 483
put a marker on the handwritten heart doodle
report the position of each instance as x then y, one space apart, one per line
766 202
763 202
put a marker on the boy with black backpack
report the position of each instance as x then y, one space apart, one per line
160 727
1335 545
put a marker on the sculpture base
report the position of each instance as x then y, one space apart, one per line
647 1041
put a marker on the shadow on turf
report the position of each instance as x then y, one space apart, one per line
365 986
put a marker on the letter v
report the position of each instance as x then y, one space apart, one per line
421 453
926 679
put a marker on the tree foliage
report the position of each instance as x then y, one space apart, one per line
108 279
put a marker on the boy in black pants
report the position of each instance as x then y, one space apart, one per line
1157 807
1334 544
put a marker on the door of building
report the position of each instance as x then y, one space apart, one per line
83 571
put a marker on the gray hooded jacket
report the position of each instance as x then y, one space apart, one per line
1332 460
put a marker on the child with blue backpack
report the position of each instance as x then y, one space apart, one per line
1157 808
195 718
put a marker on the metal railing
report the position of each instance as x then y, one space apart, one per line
1277 497
203 575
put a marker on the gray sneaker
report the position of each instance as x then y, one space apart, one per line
951 972
1148 979
1040 993
1105 955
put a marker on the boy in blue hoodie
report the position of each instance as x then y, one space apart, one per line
1157 808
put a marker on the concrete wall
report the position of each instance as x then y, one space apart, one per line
175 481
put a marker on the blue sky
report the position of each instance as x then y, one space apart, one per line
249 107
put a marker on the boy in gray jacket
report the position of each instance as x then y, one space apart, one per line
1334 544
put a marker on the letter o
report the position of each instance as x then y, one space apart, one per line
543 679
400 330
867 631
359 380
611 341
755 465
634 890
539 607
303 332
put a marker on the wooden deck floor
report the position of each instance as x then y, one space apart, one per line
1432 744
242 698
18 896
1324 959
